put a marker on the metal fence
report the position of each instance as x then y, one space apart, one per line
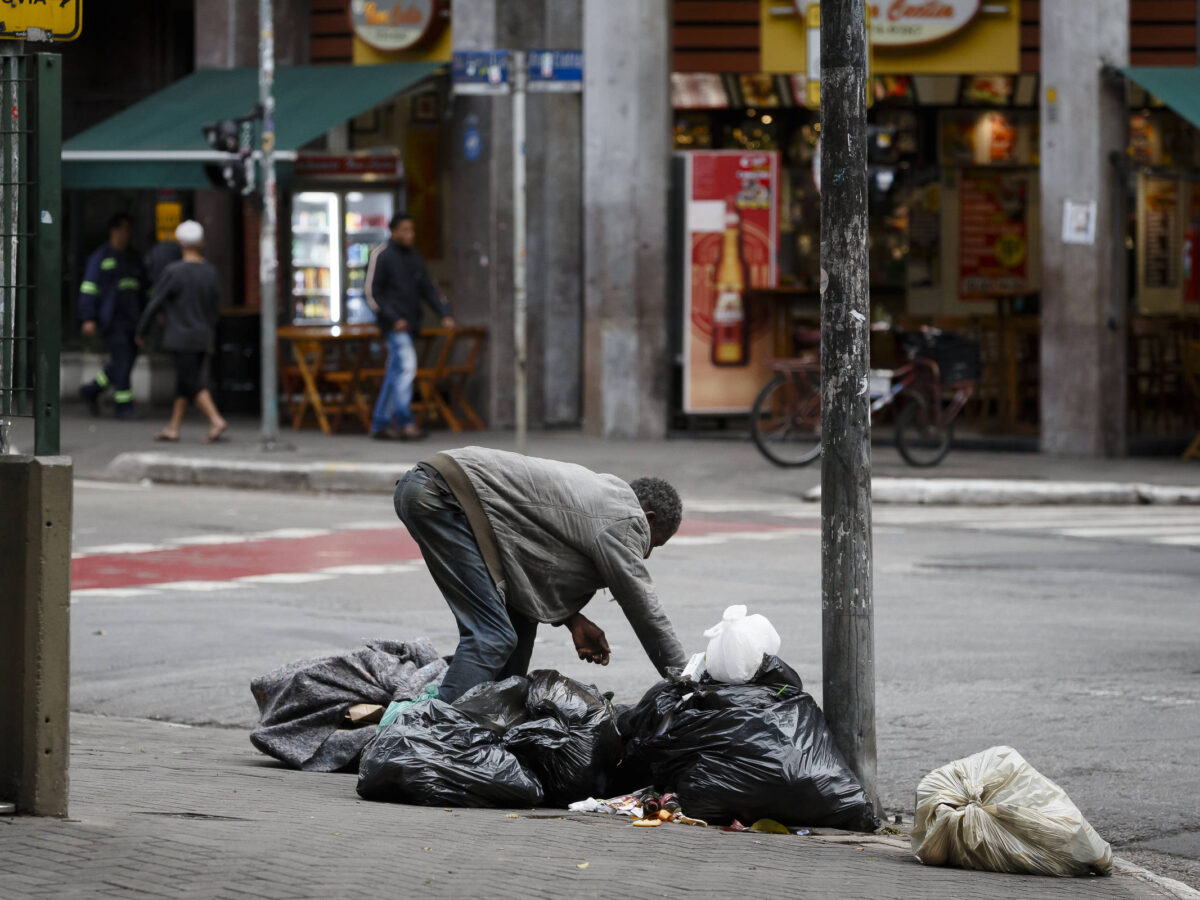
30 242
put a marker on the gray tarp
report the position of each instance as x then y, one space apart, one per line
302 706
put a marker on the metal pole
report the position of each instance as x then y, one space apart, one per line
847 608
268 244
48 253
520 411
10 174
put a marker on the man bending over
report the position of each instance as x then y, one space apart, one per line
513 541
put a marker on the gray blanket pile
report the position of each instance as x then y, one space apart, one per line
303 705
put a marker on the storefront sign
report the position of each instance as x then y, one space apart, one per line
396 24
556 71
480 72
993 248
903 23
731 235
308 166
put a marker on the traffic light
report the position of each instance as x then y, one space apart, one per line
236 138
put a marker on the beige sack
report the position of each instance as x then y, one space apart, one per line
994 811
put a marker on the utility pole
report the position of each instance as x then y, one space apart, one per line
847 607
520 78
268 247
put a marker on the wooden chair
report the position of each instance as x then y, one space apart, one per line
446 362
1189 353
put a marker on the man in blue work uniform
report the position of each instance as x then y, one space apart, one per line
110 302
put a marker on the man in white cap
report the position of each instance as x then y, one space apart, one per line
189 294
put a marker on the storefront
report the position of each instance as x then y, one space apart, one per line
335 201
953 188
954 207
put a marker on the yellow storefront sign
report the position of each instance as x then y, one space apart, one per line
167 216
908 37
41 20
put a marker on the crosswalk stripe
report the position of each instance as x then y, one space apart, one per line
1125 530
285 578
1186 540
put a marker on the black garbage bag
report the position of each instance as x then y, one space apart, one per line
571 741
496 705
747 752
436 755
302 706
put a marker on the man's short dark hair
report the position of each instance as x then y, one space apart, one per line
119 219
397 219
659 497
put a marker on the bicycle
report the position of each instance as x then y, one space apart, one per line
936 381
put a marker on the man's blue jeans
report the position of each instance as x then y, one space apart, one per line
493 641
395 394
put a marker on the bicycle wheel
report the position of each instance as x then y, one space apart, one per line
786 422
922 437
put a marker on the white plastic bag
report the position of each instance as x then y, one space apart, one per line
994 811
738 644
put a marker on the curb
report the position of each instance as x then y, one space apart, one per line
168 468
1176 889
1002 492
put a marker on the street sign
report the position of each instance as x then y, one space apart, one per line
480 71
556 71
41 20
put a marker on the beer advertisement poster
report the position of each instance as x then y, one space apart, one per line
732 228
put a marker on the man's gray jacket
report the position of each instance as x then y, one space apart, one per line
553 533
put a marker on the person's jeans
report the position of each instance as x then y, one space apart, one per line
395 394
493 642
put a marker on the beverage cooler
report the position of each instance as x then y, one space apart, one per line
333 233
727 213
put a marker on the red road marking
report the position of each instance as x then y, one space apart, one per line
225 562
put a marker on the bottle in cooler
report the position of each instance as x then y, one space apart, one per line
731 332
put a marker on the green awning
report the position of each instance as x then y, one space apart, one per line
1176 86
158 143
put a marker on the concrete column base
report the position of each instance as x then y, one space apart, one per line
35 597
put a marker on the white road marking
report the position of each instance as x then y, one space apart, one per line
290 533
195 586
285 578
384 569
1191 540
89 593
117 548
91 485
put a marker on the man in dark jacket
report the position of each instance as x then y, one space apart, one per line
398 285
513 541
110 300
188 292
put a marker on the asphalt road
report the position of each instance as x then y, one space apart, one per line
1072 634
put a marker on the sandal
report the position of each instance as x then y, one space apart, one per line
165 436
216 434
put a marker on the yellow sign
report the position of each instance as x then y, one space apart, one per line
951 37
167 216
41 20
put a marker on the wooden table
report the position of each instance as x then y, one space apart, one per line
331 366
328 360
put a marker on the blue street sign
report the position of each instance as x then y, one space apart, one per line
556 70
480 72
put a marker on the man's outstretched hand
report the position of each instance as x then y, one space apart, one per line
589 639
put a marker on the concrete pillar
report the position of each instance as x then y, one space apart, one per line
481 212
1083 121
35 597
626 156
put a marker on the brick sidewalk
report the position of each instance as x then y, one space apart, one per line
169 811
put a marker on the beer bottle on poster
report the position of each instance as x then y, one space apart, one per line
731 331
